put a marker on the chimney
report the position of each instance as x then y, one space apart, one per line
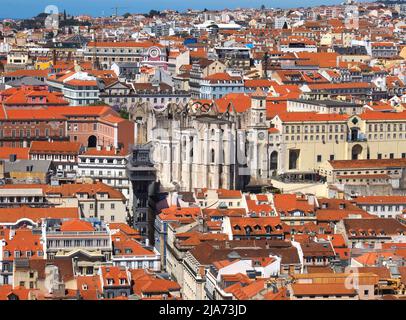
310 199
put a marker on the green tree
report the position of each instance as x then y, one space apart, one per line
98 103
153 13
124 114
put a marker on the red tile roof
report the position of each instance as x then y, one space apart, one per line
24 240
28 73
321 289
89 287
71 189
116 274
7 290
55 147
384 116
367 163
123 44
312 117
124 245
21 153
145 283
76 225
13 214
222 76
240 101
290 202
380 200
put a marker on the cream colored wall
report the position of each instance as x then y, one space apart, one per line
24 275
310 149
355 58
189 286
326 39
393 140
215 67
320 190
119 211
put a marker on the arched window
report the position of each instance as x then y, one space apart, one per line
261 117
273 165
248 230
212 156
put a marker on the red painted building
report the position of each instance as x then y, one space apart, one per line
90 126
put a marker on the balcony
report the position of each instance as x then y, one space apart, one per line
59 234
357 139
355 136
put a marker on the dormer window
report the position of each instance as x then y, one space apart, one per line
123 281
110 281
237 227
84 287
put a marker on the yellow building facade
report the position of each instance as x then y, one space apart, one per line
307 139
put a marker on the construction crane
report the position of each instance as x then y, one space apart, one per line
116 9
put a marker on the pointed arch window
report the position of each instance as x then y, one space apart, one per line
261 117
